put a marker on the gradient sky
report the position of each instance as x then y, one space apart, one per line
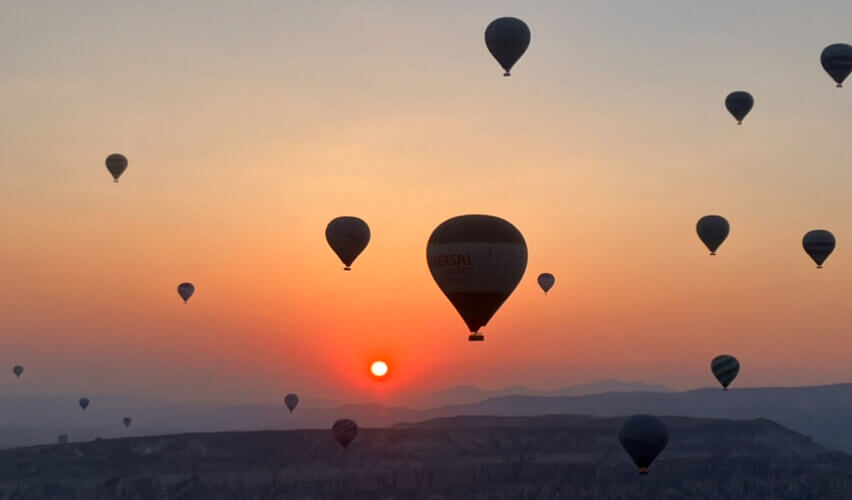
250 125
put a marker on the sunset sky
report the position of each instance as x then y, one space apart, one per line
250 125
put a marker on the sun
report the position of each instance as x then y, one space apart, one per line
379 369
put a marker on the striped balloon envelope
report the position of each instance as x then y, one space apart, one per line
725 368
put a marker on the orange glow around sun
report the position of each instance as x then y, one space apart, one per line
379 369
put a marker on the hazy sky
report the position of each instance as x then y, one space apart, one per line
250 125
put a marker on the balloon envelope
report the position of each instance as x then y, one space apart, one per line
477 261
185 290
836 60
739 103
84 403
291 401
348 237
116 164
344 431
819 244
63 439
725 368
127 421
546 281
643 437
18 370
712 229
507 38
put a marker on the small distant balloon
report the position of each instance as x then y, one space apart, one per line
643 437
185 290
836 60
546 281
477 261
712 229
116 164
725 368
344 431
18 370
348 237
507 38
63 439
819 244
127 421
291 401
739 104
84 403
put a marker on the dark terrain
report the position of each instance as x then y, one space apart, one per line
570 457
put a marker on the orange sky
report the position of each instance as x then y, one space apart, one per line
248 129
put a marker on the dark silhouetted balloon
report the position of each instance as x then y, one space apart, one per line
643 438
127 421
185 290
18 370
116 164
725 368
507 39
819 244
546 281
348 237
712 229
344 431
477 261
63 439
836 59
291 401
739 103
84 403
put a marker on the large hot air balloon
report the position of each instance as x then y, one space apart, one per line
739 103
291 401
836 60
63 439
712 229
127 421
348 237
116 164
185 290
819 244
643 437
546 281
507 39
18 370
344 431
84 403
725 368
477 261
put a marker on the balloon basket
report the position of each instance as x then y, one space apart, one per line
476 337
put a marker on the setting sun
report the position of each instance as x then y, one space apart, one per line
379 369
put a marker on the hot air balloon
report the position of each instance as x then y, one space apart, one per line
291 401
348 237
819 244
344 431
63 439
127 421
477 261
725 368
739 103
836 60
116 164
18 370
185 290
546 281
712 229
643 437
507 39
84 403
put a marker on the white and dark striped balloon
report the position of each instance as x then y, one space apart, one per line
725 368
